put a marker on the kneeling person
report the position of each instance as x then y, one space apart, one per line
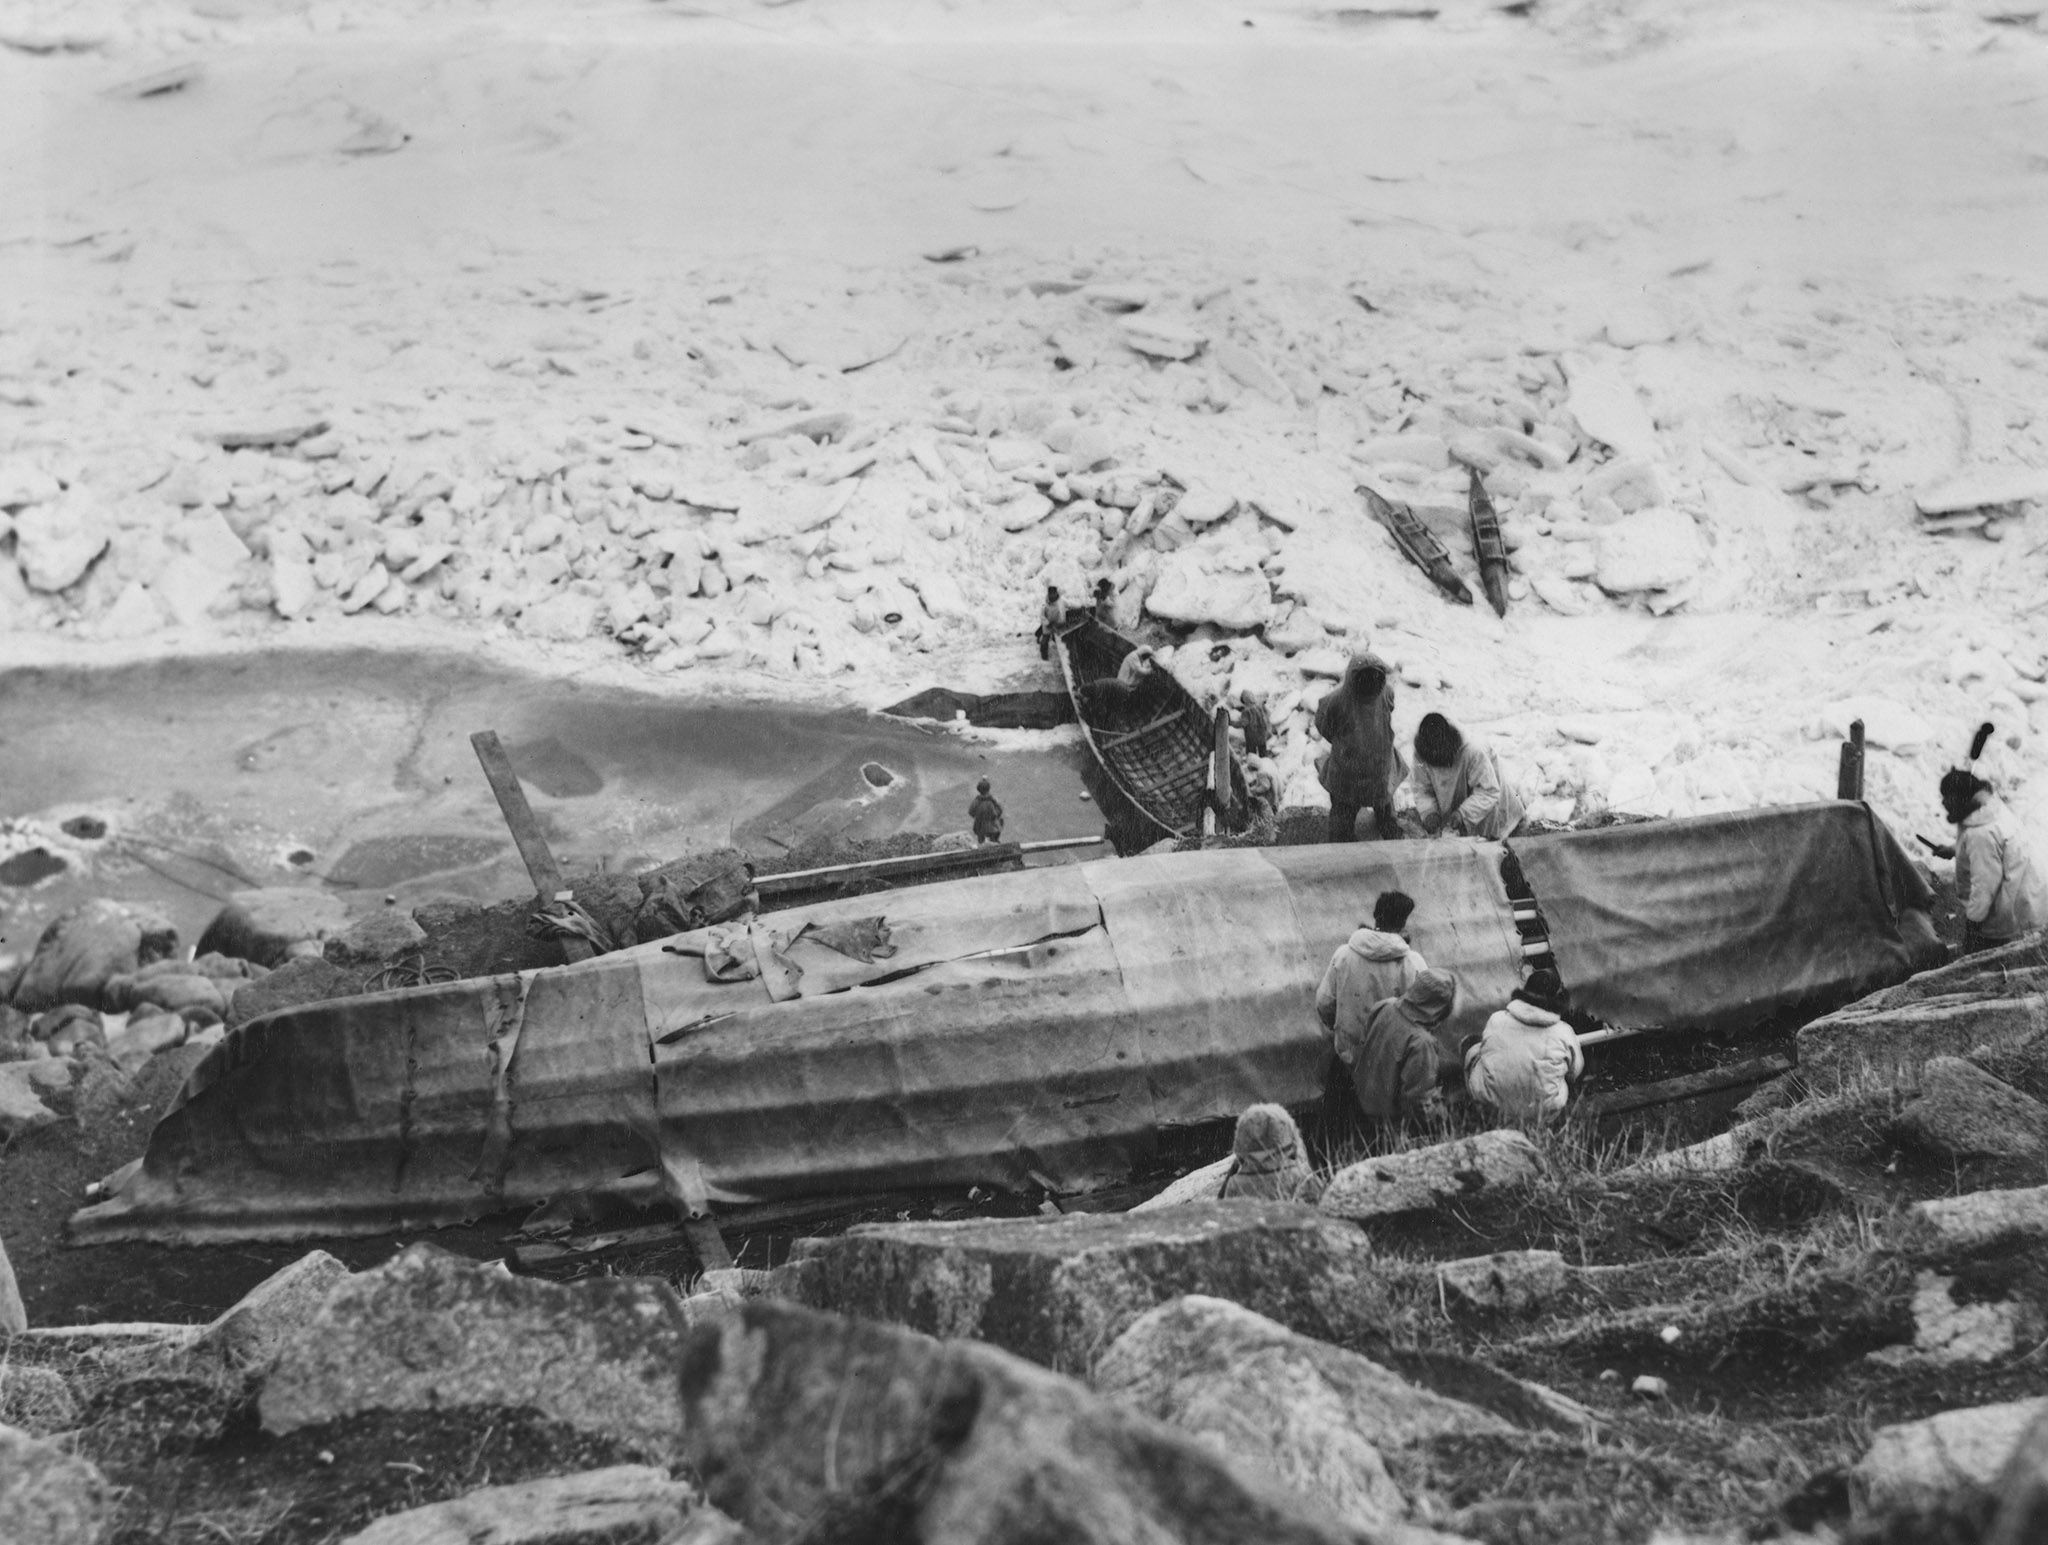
1395 1069
1527 1058
1458 786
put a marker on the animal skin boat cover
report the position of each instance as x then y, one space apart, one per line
1725 921
1027 1029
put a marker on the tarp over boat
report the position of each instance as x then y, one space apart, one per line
1027 1029
1724 921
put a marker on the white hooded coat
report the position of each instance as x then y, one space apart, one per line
1368 967
2003 891
1470 797
1524 1063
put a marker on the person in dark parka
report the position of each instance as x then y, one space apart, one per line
1395 1070
1256 723
986 814
1364 765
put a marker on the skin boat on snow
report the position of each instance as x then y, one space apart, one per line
1487 543
1418 544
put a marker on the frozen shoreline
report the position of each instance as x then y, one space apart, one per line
1584 255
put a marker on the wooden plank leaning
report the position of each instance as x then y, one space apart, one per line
546 875
526 836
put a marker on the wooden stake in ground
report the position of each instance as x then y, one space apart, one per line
1849 778
1217 795
533 847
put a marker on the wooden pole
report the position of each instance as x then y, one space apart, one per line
1218 791
916 863
541 867
1849 775
1690 1086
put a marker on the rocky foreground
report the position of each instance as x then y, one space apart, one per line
1824 1326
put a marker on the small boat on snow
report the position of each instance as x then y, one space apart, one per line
1418 544
1487 543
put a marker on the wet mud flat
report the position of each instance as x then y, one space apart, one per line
179 781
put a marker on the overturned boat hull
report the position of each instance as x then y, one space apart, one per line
1032 1029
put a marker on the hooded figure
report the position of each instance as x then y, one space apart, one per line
1395 1071
986 814
1375 963
1364 766
1051 619
1269 1162
1458 786
2002 890
1527 1058
1256 723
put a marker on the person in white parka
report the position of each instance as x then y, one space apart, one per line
1527 1059
2003 891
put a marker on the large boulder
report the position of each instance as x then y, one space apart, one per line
1917 1474
622 1505
429 1330
1952 1226
805 1425
2022 1517
84 948
1988 1002
1906 1036
168 984
1509 1281
1962 1112
34 1095
147 1032
247 1337
1317 1416
273 924
2015 970
1059 1290
1419 1178
47 1495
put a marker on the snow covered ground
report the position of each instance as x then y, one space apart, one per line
787 350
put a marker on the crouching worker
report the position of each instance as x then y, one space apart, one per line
2002 890
1268 1160
1395 1071
1375 963
1458 787
1523 1065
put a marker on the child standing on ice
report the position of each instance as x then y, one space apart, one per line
986 814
